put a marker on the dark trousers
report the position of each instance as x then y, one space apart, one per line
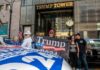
73 59
82 59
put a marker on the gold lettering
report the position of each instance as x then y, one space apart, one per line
44 7
48 6
69 4
59 5
63 5
51 5
55 5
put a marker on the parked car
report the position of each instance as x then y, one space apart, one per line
93 46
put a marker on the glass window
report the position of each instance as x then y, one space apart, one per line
23 15
29 2
83 16
54 20
91 15
92 18
23 2
36 2
43 1
92 34
1 7
83 20
29 15
95 43
98 15
83 8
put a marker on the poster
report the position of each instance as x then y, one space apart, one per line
51 43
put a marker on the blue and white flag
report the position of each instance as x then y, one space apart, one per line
22 59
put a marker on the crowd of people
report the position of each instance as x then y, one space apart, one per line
77 47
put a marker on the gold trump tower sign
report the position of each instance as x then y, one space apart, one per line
54 5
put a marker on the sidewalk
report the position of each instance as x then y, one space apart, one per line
91 69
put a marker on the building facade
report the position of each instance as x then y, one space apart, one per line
7 27
39 16
87 18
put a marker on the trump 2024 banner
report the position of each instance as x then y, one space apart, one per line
22 59
51 43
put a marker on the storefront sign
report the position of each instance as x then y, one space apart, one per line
54 5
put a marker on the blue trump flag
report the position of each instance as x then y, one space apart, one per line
22 59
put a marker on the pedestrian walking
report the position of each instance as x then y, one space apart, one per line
82 51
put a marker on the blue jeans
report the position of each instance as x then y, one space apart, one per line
82 58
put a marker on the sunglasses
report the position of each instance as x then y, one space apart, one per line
51 33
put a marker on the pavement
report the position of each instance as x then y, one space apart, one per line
90 69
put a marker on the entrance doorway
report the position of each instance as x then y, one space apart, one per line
53 19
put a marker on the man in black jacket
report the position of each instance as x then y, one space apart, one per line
82 51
